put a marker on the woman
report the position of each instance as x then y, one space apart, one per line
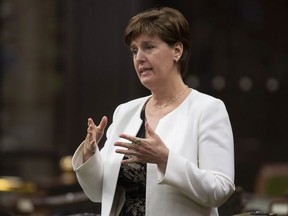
170 153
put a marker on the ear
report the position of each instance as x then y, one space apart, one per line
178 50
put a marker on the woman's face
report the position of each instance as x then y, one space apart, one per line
154 60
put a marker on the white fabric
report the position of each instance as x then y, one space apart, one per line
200 170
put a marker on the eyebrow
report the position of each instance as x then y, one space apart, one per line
143 42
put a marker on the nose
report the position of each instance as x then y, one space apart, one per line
140 56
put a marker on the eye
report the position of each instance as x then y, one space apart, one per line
134 51
148 47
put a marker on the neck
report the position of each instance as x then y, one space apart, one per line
168 96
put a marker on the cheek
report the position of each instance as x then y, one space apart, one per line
165 56
164 61
135 63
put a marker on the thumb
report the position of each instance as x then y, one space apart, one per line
149 130
103 123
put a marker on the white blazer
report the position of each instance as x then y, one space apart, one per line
200 171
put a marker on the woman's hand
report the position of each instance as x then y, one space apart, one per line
149 150
94 135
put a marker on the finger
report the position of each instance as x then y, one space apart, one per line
129 160
89 137
129 152
127 137
137 141
103 123
90 130
132 139
90 122
92 139
125 145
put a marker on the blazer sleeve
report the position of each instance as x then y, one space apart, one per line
90 173
211 181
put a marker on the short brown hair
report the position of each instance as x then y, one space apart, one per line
169 24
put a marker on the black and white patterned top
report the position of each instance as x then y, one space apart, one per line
133 178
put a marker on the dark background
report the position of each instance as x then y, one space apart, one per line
241 43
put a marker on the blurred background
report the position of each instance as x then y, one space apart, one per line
62 61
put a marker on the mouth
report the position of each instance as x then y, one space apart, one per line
144 70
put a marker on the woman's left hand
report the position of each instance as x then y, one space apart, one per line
149 150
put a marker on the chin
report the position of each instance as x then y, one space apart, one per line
147 84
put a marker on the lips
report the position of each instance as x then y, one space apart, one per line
144 69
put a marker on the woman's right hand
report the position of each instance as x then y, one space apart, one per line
94 135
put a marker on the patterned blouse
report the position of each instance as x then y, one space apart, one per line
132 177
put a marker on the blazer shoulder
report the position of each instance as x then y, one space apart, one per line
203 99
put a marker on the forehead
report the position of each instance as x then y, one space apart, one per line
144 38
